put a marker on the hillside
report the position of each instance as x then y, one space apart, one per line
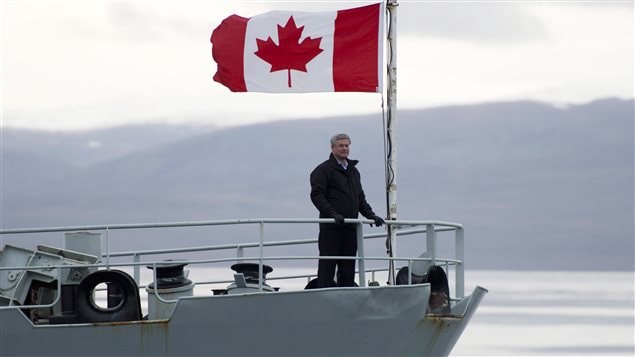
536 187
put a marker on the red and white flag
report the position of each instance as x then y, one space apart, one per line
288 52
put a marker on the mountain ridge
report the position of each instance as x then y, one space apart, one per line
525 178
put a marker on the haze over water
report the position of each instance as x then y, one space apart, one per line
551 313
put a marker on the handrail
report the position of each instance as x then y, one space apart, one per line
403 227
99 227
223 260
255 245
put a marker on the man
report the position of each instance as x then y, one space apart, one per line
336 191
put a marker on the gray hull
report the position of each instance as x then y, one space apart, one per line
345 321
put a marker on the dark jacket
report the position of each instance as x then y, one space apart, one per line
338 191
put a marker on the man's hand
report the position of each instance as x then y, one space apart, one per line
378 221
339 219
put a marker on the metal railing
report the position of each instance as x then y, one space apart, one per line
404 228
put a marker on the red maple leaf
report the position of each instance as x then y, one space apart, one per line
290 53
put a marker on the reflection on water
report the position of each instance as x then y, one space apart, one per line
551 313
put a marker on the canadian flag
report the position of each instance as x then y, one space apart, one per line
287 52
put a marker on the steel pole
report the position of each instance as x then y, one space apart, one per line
391 133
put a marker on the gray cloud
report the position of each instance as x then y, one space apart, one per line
132 22
481 22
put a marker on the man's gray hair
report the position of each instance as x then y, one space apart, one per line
337 137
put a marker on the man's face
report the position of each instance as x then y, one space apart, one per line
340 149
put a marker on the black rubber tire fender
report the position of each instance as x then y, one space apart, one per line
128 309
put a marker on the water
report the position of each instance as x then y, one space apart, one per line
533 313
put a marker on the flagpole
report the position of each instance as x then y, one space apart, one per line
391 133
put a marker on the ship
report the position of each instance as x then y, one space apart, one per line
82 299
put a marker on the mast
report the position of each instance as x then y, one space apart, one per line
391 135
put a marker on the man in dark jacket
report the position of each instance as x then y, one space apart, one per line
336 191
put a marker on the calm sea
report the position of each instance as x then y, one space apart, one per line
551 313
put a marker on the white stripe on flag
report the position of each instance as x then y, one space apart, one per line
319 75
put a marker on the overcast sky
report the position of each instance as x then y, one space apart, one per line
87 64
